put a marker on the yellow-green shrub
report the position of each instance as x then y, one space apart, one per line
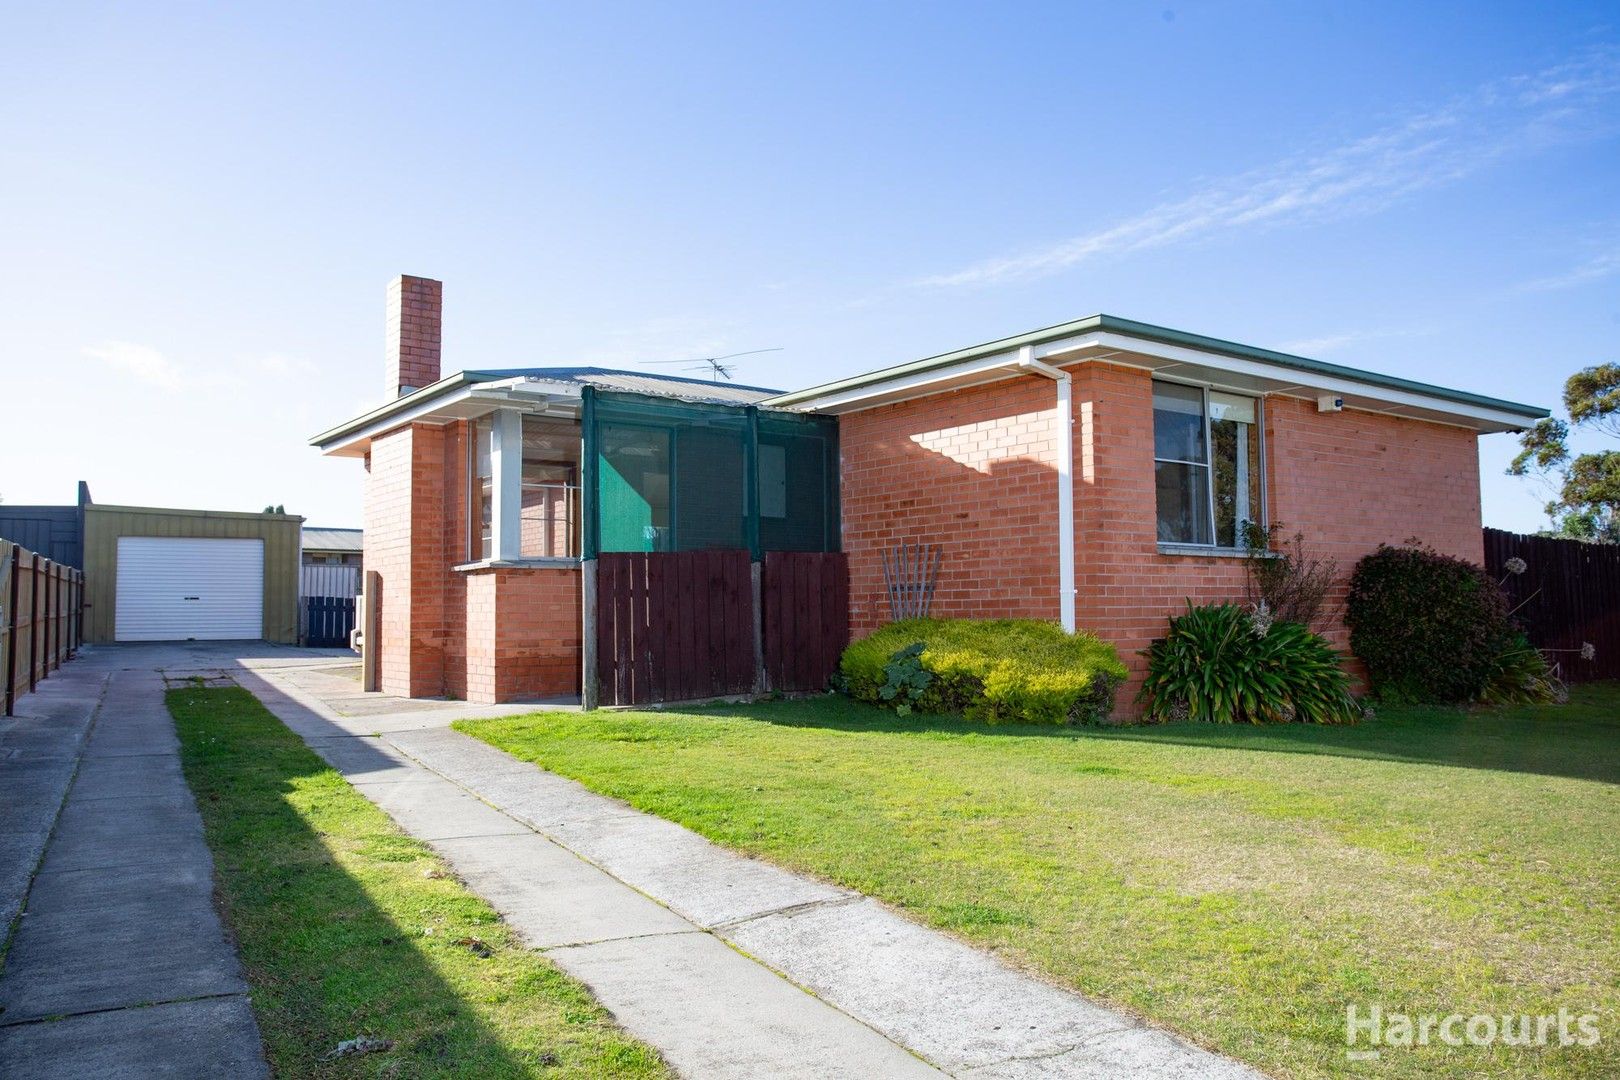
1000 670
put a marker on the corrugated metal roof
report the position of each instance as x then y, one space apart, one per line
634 382
644 382
333 539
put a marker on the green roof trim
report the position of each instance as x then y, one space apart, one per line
1164 336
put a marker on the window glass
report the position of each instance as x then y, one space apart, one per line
1178 422
480 507
1206 491
772 481
1235 441
1183 492
548 517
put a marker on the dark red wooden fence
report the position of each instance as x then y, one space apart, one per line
1569 594
673 626
804 600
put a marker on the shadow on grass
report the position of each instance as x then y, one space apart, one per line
1580 740
348 928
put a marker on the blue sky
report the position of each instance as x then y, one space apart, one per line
201 205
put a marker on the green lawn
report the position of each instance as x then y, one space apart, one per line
347 927
1240 885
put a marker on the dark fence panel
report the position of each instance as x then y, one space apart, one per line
805 615
1569 594
41 619
329 620
673 626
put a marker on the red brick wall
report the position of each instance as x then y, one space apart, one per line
970 469
523 637
973 469
404 508
491 635
415 330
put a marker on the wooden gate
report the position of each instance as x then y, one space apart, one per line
673 626
805 614
328 620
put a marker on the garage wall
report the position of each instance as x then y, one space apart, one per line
103 525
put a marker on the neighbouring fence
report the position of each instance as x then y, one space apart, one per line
41 618
683 625
1568 595
326 605
328 620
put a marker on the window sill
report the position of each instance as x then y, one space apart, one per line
1205 550
555 562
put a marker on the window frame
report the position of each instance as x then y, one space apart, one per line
1257 473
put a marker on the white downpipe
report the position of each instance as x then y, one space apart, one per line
506 484
1065 474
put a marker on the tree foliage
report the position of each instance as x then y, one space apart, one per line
1588 502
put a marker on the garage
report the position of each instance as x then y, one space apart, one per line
157 574
173 588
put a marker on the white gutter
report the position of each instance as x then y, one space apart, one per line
1065 474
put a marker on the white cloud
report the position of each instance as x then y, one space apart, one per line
1593 269
1431 149
141 361
1330 343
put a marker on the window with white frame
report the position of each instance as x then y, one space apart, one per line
545 498
1206 464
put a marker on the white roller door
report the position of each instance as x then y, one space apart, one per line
173 588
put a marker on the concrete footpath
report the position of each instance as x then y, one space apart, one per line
732 967
117 966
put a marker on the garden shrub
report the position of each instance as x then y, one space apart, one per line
905 680
1431 628
1291 583
1520 675
998 670
1223 664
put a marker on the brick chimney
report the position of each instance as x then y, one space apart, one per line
415 317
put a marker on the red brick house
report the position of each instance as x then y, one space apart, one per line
1097 473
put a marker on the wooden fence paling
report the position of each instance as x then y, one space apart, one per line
805 596
668 627
14 574
1567 596
35 644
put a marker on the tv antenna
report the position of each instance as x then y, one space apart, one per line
716 366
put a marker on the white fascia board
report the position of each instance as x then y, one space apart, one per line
459 404
1003 365
1297 379
352 443
981 369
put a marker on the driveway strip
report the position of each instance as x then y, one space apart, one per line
708 954
119 966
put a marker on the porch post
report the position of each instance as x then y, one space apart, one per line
590 532
506 485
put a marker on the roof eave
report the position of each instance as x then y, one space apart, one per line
1100 333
